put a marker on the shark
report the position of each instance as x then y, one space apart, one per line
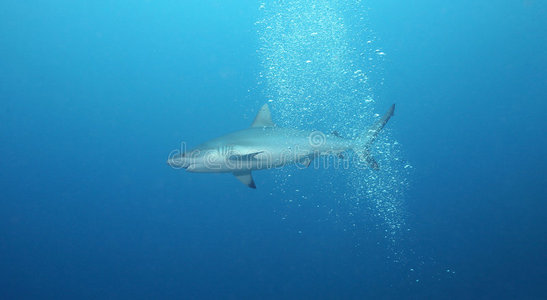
264 145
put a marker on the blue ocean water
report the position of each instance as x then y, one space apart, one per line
95 94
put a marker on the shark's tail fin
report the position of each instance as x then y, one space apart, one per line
368 138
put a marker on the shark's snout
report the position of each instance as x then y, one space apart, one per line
177 163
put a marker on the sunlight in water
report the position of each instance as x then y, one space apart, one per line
319 72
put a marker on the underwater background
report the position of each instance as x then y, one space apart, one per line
94 95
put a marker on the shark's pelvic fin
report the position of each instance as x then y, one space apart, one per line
306 161
246 178
263 118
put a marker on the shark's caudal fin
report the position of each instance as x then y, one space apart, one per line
369 137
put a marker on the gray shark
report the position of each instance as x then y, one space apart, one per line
265 145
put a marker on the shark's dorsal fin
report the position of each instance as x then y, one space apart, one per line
246 178
263 118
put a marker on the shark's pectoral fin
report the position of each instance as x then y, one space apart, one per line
244 157
246 178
